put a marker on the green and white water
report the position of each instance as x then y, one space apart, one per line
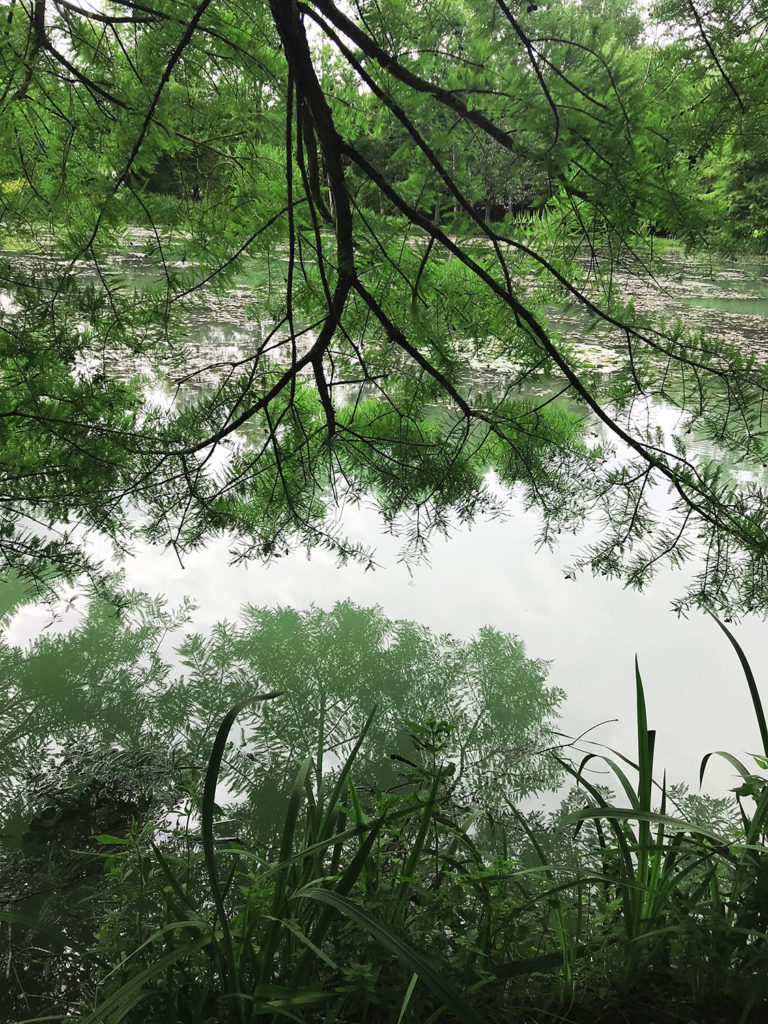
492 573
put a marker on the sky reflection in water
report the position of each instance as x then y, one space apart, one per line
493 574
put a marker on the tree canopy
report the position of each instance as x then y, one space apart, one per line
137 683
406 189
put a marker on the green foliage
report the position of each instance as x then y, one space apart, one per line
125 677
105 730
376 901
406 192
334 666
650 862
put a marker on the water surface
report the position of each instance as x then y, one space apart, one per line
492 573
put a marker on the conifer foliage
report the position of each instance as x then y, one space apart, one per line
395 194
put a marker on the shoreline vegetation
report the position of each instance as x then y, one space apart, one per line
298 857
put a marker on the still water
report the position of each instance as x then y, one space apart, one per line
492 573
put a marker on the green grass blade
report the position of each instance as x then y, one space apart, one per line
619 833
415 852
305 940
647 859
633 814
413 960
33 924
281 885
754 693
341 781
206 829
124 999
740 767
545 962
343 887
407 998
645 746
170 877
626 785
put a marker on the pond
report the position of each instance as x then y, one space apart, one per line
493 574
